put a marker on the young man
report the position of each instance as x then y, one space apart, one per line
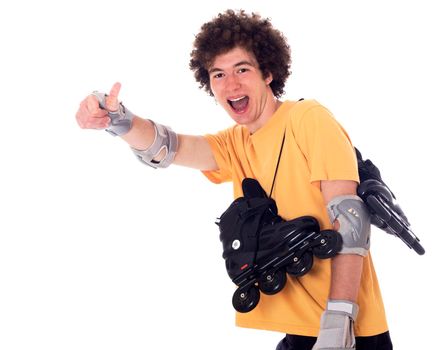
244 63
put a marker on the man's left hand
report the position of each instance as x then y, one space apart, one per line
336 332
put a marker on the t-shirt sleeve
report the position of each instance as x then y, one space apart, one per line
326 146
219 146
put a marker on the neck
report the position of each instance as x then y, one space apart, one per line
270 107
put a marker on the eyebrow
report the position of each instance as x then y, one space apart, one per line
241 63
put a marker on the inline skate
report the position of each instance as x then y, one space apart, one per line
260 247
386 214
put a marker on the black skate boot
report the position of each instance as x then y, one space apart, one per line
260 247
381 202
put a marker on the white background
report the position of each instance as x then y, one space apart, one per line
100 252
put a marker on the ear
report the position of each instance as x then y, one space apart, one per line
268 79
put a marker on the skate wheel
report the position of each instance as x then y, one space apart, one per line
272 282
246 301
330 244
300 266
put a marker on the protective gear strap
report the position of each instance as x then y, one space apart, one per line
337 331
354 220
165 139
121 120
343 307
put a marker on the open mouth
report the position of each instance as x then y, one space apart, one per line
239 104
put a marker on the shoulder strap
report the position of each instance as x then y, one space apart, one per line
278 162
279 156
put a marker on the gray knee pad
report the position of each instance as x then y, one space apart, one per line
354 220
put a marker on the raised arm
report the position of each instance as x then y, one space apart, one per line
192 151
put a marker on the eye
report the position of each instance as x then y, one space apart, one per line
218 75
242 70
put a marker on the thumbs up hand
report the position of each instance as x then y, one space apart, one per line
101 111
112 100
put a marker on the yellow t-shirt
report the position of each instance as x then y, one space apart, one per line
316 148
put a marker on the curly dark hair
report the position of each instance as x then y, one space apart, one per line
251 32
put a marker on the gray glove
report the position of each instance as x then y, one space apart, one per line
121 120
336 332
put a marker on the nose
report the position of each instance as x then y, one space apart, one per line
233 82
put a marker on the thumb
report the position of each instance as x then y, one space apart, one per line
112 100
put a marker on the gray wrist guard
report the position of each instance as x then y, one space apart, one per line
121 120
336 331
165 139
354 220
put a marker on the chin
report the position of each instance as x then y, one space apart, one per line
242 120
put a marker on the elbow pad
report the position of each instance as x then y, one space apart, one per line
165 139
354 220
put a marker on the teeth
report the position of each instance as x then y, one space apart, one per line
237 99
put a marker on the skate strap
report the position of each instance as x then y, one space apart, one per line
278 162
257 209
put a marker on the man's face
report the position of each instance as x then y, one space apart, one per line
239 87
